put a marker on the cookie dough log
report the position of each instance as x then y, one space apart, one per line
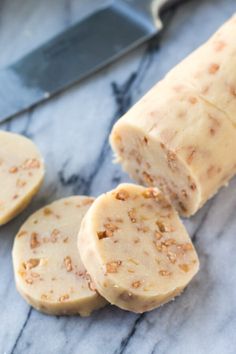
211 69
136 249
21 174
48 271
175 140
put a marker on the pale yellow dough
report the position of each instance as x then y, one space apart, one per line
21 174
136 249
211 69
48 271
181 135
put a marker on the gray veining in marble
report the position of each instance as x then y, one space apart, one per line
71 130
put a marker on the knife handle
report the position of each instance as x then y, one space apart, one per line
153 8
159 6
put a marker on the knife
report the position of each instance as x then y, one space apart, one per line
82 49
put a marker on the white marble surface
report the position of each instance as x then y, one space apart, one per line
71 130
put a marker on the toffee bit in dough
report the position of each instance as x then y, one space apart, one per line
187 247
150 193
134 261
158 235
161 226
122 195
131 271
45 297
110 229
184 267
52 277
169 242
102 234
192 100
182 207
20 183
31 163
47 211
232 91
68 264
91 284
161 247
64 298
108 232
172 256
213 68
54 235
172 161
35 275
132 215
22 233
112 267
191 154
34 241
136 284
143 229
219 45
164 273
13 169
31 263
148 178
147 255
87 201
193 186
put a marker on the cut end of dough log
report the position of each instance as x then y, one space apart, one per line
21 174
151 163
136 249
48 271
175 140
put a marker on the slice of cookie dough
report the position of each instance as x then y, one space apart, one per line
21 174
48 271
136 249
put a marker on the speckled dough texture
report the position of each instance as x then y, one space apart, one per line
211 69
48 271
181 135
136 249
21 174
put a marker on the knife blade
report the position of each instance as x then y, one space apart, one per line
82 49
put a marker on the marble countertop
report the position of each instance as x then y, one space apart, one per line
71 130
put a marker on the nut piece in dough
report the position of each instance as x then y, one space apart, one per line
136 249
48 271
21 174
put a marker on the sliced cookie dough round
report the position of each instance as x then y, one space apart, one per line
136 249
48 271
21 174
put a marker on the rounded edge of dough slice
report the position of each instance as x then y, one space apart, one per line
48 271
154 164
136 249
22 172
